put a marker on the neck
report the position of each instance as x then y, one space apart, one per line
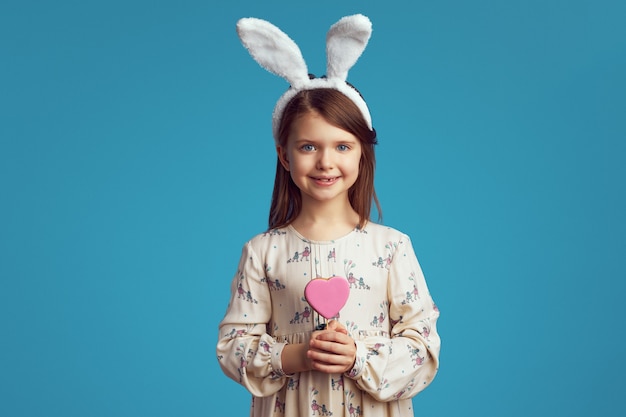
325 220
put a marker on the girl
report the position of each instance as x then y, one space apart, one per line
383 347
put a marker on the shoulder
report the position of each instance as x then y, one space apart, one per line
268 238
379 231
397 244
379 235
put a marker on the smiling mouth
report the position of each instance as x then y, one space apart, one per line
325 181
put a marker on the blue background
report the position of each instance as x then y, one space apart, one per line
136 158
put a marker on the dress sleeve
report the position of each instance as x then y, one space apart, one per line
403 364
245 351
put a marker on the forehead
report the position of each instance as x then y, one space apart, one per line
314 127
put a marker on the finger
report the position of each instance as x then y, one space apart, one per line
325 346
329 359
337 326
329 369
333 336
329 363
343 349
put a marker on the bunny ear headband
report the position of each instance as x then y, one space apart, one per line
277 53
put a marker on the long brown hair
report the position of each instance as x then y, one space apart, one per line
340 111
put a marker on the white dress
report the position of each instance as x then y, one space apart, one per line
389 313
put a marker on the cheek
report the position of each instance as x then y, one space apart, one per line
360 168
359 164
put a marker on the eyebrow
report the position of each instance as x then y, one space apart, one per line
336 142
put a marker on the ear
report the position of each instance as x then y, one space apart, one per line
345 42
273 50
283 157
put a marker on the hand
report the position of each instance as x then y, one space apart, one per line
332 351
336 326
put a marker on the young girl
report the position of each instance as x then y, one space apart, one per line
383 347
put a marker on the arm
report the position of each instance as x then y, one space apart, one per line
404 364
246 352
294 358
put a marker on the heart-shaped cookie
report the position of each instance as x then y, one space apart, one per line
327 296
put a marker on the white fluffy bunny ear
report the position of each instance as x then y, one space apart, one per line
345 42
277 53
273 50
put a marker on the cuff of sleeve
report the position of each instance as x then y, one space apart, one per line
276 359
359 363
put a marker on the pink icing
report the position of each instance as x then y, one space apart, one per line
327 296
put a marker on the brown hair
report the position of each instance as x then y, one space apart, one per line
340 111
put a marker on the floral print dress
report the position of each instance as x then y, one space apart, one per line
389 313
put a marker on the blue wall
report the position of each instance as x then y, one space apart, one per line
136 158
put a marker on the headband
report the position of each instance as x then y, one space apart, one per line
278 54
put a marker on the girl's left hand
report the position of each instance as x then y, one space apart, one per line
332 351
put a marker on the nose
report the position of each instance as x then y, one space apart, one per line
325 159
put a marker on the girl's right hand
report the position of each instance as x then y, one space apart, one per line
332 350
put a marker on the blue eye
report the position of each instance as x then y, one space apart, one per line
343 148
308 148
